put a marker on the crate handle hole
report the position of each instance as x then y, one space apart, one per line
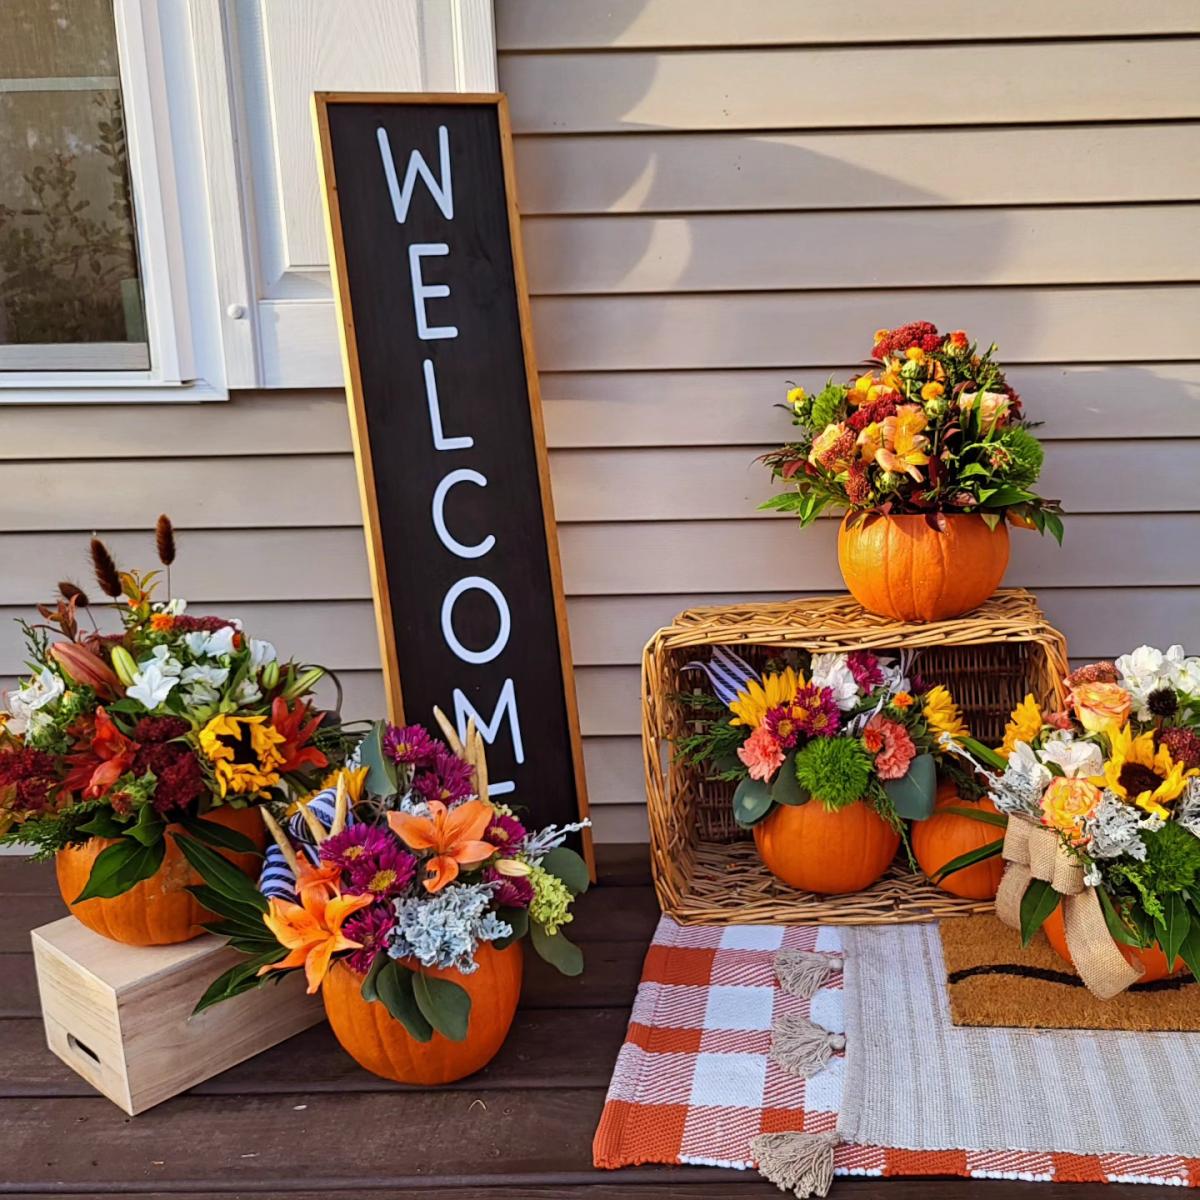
80 1048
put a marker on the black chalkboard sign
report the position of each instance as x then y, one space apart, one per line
444 404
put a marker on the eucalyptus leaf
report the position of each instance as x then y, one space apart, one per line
220 837
751 802
382 779
569 867
518 918
445 1004
787 789
554 948
912 796
119 866
1039 901
394 989
368 990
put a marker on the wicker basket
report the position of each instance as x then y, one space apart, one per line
705 867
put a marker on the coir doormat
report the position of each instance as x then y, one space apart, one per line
992 981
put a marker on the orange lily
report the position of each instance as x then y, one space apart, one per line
453 834
905 445
325 878
312 930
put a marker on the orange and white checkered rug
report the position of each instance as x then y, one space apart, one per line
694 1083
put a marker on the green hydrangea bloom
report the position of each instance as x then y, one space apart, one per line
551 900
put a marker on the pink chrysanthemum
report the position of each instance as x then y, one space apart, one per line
890 743
448 778
813 712
387 873
511 891
409 744
357 844
865 668
506 833
370 928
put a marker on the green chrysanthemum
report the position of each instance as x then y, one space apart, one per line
551 901
838 770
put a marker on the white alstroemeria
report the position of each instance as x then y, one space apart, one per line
1074 759
172 608
1146 670
216 644
261 653
152 685
1187 680
832 671
247 692
43 689
1024 764
212 676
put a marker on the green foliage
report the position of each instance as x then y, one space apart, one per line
119 866
1026 455
1172 866
569 867
1039 901
827 405
751 802
715 744
555 949
445 1004
837 770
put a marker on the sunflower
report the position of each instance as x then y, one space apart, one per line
244 752
1023 726
1142 775
942 714
776 688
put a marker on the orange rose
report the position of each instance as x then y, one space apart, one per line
1067 803
1101 707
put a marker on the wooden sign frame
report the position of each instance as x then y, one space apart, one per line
384 614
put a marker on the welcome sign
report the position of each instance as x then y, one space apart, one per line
448 438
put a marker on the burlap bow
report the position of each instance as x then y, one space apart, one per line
1032 851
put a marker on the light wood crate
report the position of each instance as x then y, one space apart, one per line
705 867
121 1016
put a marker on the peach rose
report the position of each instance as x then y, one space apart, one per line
1067 803
993 407
1101 707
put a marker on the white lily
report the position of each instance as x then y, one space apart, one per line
212 677
1075 759
152 685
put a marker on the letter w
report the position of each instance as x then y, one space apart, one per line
442 192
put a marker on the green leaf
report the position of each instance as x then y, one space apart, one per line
219 837
220 874
394 989
382 779
912 796
1172 934
1039 901
242 978
368 989
518 918
1189 949
554 948
234 910
969 859
1121 931
148 828
977 814
445 1004
751 802
787 789
102 824
118 867
569 867
991 520
1055 525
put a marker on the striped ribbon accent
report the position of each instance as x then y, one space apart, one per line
727 672
277 880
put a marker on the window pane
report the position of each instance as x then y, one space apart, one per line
70 294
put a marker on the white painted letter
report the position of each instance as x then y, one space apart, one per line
463 475
475 583
442 193
440 441
464 710
422 291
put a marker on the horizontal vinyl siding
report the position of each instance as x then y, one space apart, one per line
721 199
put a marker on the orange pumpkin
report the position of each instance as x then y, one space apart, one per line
381 1044
943 836
1153 960
811 848
899 567
159 910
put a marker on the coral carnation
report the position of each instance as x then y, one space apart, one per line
890 743
761 753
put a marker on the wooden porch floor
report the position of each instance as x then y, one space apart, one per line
520 1130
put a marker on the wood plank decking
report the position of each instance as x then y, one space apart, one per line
267 1129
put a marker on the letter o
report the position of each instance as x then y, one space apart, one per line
475 583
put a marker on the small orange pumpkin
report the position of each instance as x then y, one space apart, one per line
811 848
899 567
1153 960
943 836
381 1044
159 910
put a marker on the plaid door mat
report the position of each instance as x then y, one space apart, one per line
694 1082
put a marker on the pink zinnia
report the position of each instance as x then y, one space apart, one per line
369 927
761 753
506 833
893 749
448 778
409 744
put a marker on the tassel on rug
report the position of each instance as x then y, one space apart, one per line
800 1163
801 972
801 1047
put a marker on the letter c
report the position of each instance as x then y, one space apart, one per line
462 475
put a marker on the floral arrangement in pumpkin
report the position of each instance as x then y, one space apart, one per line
1117 777
404 867
932 427
857 726
121 734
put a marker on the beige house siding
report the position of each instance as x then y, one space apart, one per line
720 198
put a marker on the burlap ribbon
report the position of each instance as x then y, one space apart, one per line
1032 851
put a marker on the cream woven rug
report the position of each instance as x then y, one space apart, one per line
914 1080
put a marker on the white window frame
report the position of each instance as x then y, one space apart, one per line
175 257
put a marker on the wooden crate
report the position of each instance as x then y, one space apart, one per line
120 1016
705 867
